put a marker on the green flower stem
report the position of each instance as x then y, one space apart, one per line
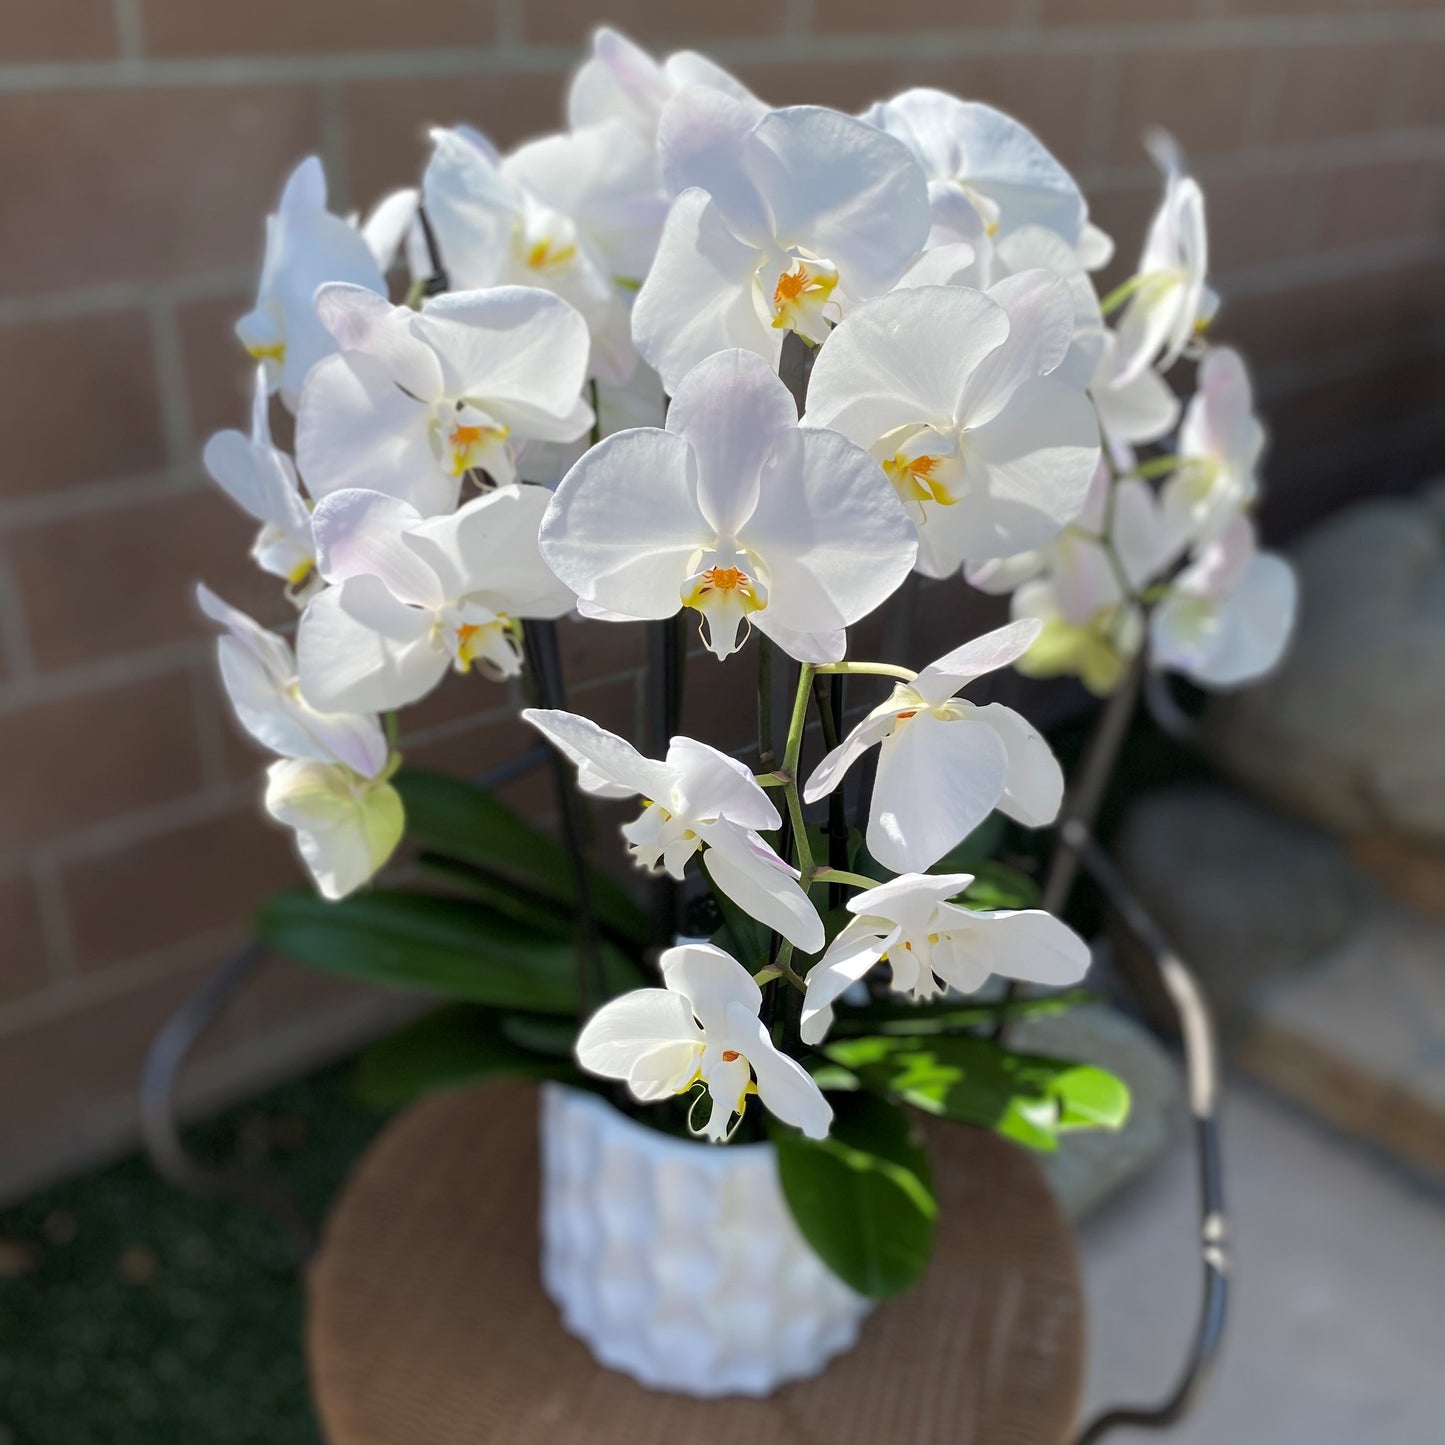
1159 466
870 669
1121 293
789 772
826 874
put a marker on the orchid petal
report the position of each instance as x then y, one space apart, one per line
607 766
762 885
784 1085
1035 788
937 781
730 409
360 534
698 296
712 981
624 525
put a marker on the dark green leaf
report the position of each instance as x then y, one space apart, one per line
997 885
862 1197
451 817
447 946
505 897
978 847
455 1046
898 1016
1026 1097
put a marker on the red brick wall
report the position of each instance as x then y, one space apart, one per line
141 141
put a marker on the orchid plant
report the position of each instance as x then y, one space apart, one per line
698 362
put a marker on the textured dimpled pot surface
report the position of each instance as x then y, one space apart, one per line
678 1262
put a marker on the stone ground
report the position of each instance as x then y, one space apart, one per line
1337 1334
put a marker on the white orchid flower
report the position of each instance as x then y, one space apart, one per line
702 1028
931 945
1229 614
346 825
1132 412
1084 588
1220 446
331 785
621 81
259 673
411 596
416 401
1004 171
944 764
697 798
779 224
950 389
1170 303
494 229
261 480
306 246
733 510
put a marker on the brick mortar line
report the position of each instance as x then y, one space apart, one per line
103 495
1420 142
778 48
88 987
141 825
1288 378
113 671
1343 264
112 296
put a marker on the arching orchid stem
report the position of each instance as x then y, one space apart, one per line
1082 802
1160 466
1121 293
869 669
841 876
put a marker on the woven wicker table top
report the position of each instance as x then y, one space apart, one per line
428 1324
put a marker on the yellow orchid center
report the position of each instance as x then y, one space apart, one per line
725 595
470 446
272 351
799 296
546 254
916 479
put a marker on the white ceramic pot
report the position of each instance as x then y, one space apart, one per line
677 1262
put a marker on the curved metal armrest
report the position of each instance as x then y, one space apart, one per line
160 1128
178 1037
1201 1063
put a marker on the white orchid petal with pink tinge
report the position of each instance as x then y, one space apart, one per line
1228 616
416 401
411 597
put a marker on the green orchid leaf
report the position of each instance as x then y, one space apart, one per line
1029 1098
862 1197
447 946
454 1047
451 817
